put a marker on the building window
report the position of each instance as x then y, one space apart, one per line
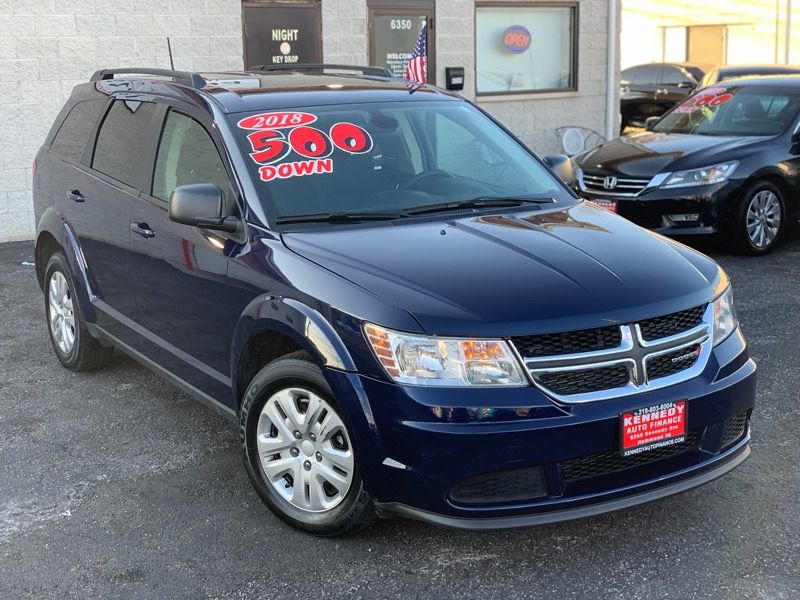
525 48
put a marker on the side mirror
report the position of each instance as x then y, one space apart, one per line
686 85
201 205
561 165
649 122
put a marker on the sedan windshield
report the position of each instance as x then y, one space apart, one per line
347 163
733 110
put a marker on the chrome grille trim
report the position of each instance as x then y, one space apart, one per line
626 186
633 352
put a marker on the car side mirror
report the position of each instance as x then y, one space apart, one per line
686 85
650 122
561 165
201 205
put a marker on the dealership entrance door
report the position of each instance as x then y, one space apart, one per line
280 33
394 28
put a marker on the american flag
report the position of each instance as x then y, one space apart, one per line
416 69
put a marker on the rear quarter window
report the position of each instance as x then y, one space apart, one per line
73 135
123 141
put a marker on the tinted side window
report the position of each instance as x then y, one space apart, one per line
72 136
647 75
187 154
123 140
628 76
674 76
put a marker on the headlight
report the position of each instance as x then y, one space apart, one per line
725 321
705 176
421 360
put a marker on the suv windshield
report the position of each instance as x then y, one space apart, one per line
382 159
733 110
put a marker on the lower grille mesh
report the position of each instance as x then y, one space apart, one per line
501 486
733 429
604 463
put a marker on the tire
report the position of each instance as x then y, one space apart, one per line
74 346
287 398
760 219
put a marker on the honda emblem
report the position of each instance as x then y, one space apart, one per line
610 182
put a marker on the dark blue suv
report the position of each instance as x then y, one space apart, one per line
401 307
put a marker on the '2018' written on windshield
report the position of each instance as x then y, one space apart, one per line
278 135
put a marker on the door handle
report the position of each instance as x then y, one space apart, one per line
143 229
76 196
662 91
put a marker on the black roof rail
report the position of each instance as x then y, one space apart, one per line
370 71
183 77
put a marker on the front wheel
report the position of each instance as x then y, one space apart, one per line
297 450
760 219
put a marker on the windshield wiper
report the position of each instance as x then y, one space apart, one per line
480 202
337 217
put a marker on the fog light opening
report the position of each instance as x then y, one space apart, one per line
684 217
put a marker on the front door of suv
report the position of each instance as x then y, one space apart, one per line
185 307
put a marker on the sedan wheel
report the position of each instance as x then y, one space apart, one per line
305 450
763 220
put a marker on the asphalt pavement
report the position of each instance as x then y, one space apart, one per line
116 485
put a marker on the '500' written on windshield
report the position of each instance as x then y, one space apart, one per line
278 135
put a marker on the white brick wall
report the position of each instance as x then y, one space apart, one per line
344 32
47 46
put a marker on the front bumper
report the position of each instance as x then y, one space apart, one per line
415 445
715 205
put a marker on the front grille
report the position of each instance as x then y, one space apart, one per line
604 463
625 186
581 381
672 362
571 342
617 360
672 324
502 486
733 429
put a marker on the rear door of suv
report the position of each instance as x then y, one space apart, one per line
97 200
185 306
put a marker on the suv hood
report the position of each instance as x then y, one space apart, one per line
643 155
512 274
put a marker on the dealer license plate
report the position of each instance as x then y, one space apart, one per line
603 203
652 427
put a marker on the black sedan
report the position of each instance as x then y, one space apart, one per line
726 160
720 74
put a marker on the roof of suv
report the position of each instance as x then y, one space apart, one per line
272 88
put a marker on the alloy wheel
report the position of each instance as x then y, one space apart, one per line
763 219
304 450
61 313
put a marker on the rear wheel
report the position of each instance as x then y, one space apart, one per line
761 219
73 344
297 450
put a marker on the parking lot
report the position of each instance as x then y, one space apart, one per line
116 485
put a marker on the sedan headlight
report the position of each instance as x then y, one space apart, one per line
725 321
705 176
434 361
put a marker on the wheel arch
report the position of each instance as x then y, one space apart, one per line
271 327
54 235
